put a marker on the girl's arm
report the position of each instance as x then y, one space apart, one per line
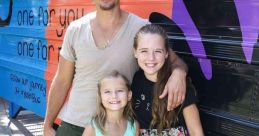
137 129
192 120
89 131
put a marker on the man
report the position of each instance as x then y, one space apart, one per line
94 45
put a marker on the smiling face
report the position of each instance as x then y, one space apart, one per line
114 93
151 54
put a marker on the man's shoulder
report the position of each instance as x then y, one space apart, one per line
138 20
84 20
136 16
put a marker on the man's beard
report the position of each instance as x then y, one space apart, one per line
108 7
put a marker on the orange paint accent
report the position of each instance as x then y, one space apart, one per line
62 12
143 8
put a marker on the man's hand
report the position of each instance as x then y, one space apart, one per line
48 131
175 88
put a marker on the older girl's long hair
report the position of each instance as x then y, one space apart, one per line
100 118
161 118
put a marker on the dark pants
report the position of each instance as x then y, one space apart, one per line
67 129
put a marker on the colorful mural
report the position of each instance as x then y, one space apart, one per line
248 13
192 36
31 34
219 38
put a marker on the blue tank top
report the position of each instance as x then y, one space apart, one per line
130 131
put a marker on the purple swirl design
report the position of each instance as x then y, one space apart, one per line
182 18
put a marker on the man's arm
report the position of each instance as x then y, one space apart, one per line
176 84
57 93
177 63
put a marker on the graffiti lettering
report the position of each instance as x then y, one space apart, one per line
67 14
41 51
32 91
51 12
43 16
39 86
18 79
27 95
25 17
25 49
65 17
24 81
15 78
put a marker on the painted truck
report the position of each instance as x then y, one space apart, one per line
218 39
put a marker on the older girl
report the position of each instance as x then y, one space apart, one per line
152 52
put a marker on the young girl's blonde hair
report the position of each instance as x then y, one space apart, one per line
99 119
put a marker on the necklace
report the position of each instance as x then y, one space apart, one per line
106 40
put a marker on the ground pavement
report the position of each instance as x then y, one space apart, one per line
25 124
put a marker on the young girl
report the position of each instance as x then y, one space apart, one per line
152 52
114 116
